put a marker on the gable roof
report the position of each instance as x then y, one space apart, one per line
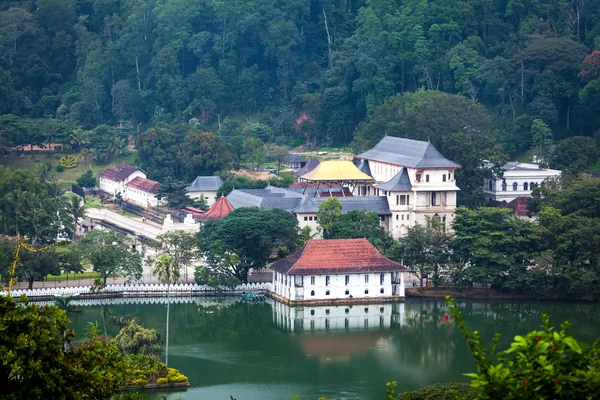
364 167
295 158
309 166
208 183
336 256
399 183
221 208
118 174
143 184
407 153
336 170
298 203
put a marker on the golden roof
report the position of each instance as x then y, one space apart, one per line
336 170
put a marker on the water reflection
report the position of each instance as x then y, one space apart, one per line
271 351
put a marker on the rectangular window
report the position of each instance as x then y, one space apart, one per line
418 177
347 280
398 199
306 218
310 218
444 177
402 217
407 200
426 178
327 281
396 217
312 280
381 278
366 278
316 218
433 199
403 200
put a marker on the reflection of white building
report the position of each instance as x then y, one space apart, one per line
337 269
519 180
338 317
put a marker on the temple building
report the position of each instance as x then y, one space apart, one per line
518 180
205 186
338 270
130 183
416 179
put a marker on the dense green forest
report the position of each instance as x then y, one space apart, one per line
320 72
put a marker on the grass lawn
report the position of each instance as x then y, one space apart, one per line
93 202
127 214
72 276
69 175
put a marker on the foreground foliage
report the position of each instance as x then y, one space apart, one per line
41 360
543 364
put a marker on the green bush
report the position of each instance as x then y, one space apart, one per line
453 391
162 381
59 168
178 378
138 382
544 364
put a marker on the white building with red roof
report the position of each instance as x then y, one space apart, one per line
337 269
131 183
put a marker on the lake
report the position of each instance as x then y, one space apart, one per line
272 351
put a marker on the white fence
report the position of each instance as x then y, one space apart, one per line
158 288
200 301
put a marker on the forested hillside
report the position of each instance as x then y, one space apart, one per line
301 71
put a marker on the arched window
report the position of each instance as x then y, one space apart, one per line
504 186
312 292
347 292
381 290
327 293
531 186
347 280
515 187
525 186
490 185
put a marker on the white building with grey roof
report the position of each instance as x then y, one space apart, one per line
518 180
416 179
304 206
205 186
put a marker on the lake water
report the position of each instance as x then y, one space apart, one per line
271 351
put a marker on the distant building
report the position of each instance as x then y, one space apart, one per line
519 180
337 269
416 179
142 192
131 183
220 209
112 180
205 186
305 206
294 162
309 166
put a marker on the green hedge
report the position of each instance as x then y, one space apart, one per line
452 391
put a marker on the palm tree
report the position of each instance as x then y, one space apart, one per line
80 138
167 271
84 153
97 287
76 209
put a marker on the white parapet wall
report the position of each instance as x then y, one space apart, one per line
133 288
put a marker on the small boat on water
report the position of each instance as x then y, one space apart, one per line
252 297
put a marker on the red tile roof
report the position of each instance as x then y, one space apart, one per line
336 256
145 185
221 208
118 174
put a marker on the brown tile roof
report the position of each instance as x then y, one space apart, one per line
143 184
118 174
336 256
221 208
109 173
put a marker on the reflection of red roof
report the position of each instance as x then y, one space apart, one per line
336 256
339 345
221 208
145 185
118 174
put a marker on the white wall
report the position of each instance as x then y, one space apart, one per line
309 219
284 285
140 197
520 177
209 196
